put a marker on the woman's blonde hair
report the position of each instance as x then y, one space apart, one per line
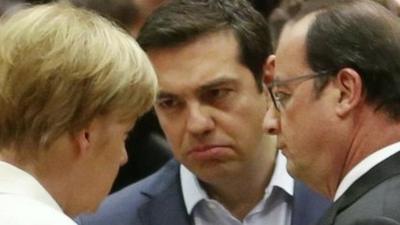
60 67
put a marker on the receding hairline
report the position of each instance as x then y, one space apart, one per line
298 28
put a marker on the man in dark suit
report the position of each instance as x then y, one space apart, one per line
209 56
335 83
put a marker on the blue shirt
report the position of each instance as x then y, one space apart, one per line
274 208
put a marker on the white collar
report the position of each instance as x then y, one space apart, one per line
193 193
16 181
364 166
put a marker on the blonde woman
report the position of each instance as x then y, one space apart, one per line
71 87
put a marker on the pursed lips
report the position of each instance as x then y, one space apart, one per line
205 152
203 148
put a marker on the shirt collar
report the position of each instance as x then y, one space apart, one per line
193 193
191 189
16 181
364 166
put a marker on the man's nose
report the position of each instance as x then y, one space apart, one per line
271 123
199 119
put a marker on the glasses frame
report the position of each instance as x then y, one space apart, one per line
275 83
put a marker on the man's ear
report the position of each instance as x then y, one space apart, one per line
268 70
350 87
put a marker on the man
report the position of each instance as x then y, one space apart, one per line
209 57
335 86
71 86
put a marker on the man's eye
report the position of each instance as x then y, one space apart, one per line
282 97
216 93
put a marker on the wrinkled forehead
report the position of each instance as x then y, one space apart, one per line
291 49
201 61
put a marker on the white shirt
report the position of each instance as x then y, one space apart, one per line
275 207
364 166
23 201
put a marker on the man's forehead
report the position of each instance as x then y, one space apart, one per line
297 30
291 50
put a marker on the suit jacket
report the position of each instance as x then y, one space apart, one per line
375 194
158 200
376 221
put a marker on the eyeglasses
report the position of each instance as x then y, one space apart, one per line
280 99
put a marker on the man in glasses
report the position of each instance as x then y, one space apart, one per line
335 84
209 57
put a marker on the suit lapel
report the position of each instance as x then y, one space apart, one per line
165 210
166 205
384 170
308 206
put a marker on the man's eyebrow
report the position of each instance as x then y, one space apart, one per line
217 82
204 87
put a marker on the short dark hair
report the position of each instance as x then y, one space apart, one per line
364 36
182 21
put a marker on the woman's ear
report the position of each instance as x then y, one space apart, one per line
82 140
